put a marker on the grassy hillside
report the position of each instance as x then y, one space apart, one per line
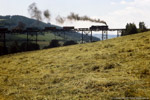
118 67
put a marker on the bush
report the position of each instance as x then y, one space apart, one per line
33 46
23 46
3 50
53 43
14 48
29 47
71 42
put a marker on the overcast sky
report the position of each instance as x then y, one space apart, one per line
117 13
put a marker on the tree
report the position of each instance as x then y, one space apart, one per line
20 26
53 43
142 27
71 42
130 29
14 48
1 49
29 47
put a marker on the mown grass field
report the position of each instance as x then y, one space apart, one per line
118 67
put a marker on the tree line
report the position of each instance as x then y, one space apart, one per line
15 47
132 29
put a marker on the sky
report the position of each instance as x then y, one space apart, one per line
117 13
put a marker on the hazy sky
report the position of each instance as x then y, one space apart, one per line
115 12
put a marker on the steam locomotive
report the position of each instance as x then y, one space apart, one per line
97 28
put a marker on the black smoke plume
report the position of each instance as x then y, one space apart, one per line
47 15
60 19
35 12
76 17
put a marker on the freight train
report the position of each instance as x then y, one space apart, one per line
97 28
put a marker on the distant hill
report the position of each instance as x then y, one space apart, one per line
105 70
12 21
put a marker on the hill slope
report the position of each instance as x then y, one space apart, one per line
118 67
12 21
